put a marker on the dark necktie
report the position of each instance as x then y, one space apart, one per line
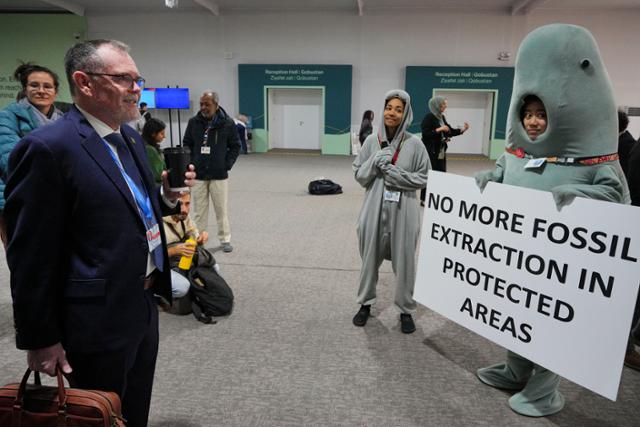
130 168
128 164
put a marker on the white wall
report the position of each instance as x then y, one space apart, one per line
188 49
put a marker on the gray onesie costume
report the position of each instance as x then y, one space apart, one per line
387 229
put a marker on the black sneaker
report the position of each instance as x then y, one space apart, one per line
360 319
406 323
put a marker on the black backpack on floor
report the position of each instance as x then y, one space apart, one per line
324 186
210 293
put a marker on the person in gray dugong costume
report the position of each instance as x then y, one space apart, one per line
559 64
391 165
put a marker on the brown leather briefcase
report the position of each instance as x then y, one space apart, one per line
26 405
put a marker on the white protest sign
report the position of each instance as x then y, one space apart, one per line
556 287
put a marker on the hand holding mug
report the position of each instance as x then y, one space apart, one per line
189 181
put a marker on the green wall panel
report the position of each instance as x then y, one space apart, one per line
259 141
39 38
497 148
337 144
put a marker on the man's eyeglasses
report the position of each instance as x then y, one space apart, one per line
122 79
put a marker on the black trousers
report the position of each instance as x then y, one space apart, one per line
128 371
436 165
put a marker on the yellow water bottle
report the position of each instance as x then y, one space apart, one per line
185 261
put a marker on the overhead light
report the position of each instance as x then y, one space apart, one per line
504 56
171 3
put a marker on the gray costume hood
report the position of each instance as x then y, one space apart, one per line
434 106
561 65
406 119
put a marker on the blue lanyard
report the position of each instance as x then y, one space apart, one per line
142 200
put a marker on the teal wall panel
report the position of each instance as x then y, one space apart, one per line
421 82
335 79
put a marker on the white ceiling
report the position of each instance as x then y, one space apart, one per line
223 7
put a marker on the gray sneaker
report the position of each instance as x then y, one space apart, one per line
226 247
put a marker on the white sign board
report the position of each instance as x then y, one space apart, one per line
556 287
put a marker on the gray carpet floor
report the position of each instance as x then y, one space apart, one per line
289 355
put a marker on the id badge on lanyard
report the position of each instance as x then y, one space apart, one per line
535 163
392 195
143 202
206 149
153 236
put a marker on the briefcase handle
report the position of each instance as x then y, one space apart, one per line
62 396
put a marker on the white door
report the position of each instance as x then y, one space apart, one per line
296 118
302 127
474 108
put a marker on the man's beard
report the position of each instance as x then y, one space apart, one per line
179 217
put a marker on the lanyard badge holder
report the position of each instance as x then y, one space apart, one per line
144 204
206 149
393 195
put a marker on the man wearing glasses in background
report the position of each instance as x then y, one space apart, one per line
86 253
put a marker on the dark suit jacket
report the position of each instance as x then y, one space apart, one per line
77 246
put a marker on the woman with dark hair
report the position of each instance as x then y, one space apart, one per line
436 134
153 134
33 108
366 127
391 166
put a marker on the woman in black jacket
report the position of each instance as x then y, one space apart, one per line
366 127
436 133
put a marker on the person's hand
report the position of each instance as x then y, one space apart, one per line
186 249
46 359
483 178
382 157
563 195
181 249
444 128
189 181
203 238
465 127
386 168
